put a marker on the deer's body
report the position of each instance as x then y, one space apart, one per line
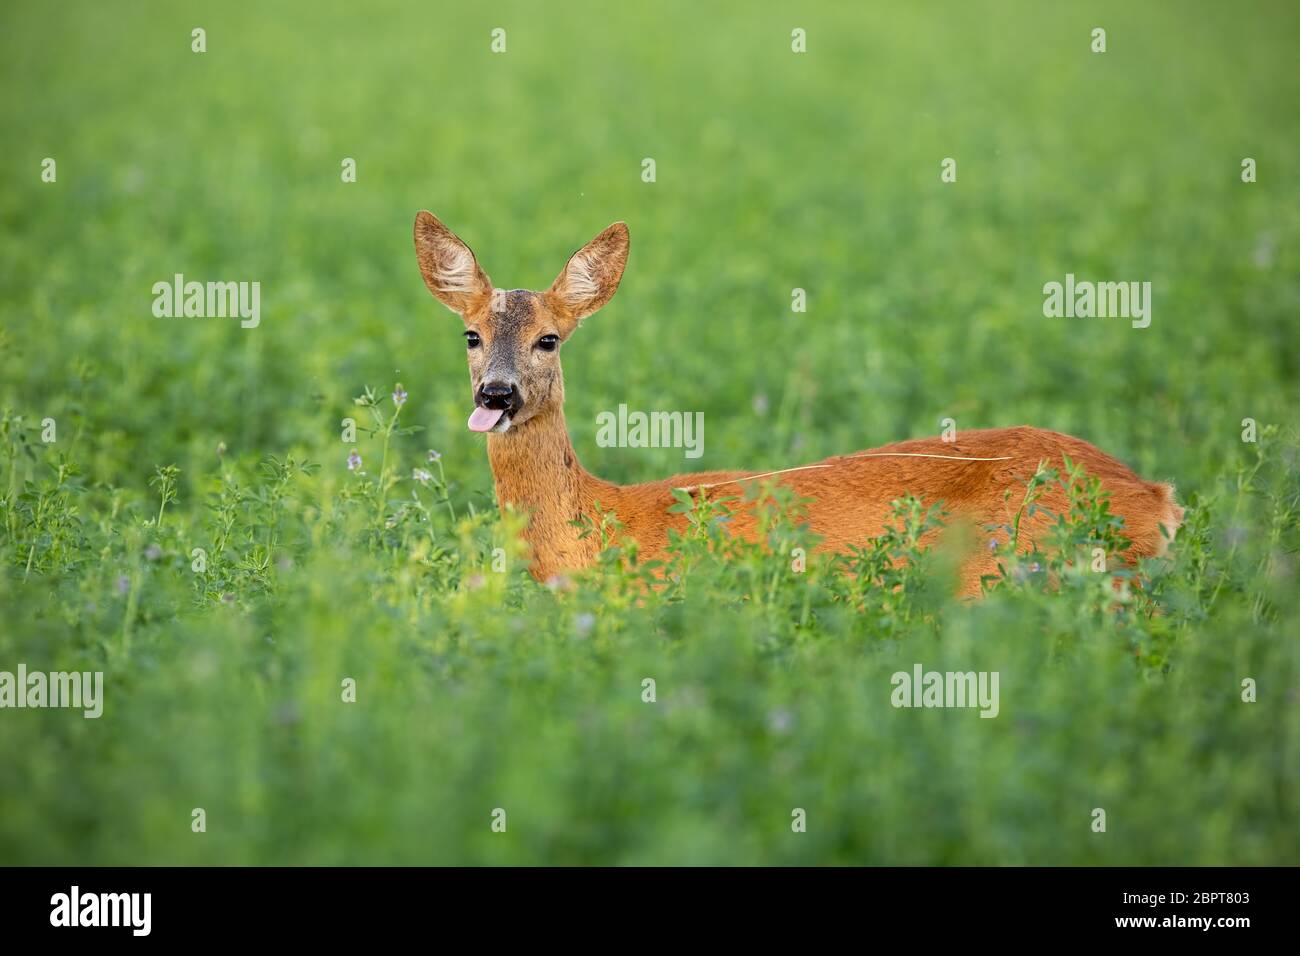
519 396
536 470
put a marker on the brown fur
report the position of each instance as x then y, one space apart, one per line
536 469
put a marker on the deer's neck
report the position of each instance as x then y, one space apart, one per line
537 472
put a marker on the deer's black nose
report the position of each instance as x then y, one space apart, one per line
499 395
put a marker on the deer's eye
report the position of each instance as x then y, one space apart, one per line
548 343
472 340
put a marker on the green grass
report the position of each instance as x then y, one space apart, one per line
478 690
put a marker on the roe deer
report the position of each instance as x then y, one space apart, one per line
514 339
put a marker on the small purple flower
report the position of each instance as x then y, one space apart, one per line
422 476
1034 568
153 552
779 721
1264 249
123 584
227 598
583 623
399 395
993 544
354 461
435 455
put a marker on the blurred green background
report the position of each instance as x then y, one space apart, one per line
775 170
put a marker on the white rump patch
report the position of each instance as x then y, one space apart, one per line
1172 520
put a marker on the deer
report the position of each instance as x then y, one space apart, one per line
513 342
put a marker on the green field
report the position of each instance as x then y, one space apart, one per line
479 690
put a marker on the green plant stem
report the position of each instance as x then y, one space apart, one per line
446 494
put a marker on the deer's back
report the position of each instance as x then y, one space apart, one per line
850 495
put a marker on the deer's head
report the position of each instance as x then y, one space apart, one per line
513 337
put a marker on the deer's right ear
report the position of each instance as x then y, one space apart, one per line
448 265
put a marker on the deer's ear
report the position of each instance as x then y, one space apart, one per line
591 276
448 265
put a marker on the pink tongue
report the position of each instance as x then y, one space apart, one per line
484 418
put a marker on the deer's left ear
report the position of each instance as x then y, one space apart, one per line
591 277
